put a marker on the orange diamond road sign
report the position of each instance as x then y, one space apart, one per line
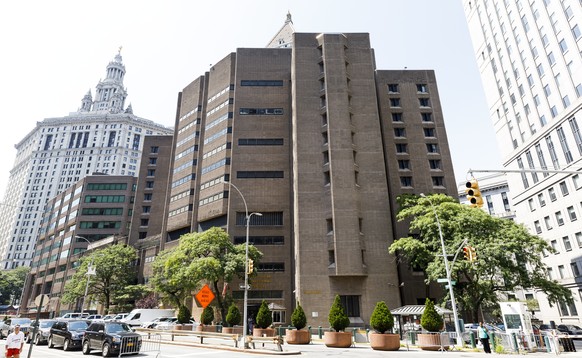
205 296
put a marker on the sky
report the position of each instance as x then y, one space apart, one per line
53 52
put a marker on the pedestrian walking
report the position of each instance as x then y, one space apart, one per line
14 343
483 334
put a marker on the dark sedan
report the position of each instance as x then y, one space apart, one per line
111 338
68 334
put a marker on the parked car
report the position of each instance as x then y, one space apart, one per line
108 317
545 327
67 333
172 323
94 317
43 332
140 315
74 315
108 337
152 324
569 329
8 327
119 316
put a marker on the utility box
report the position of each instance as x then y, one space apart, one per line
517 321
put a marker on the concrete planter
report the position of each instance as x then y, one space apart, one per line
206 328
233 330
337 339
294 336
183 327
263 332
385 341
431 342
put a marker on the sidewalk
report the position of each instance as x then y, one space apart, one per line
317 345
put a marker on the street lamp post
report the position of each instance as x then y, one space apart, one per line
90 271
448 271
246 288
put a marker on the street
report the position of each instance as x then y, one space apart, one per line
316 349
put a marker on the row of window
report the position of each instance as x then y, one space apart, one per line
398 117
428 132
551 148
437 181
395 88
402 148
422 102
551 192
433 164
107 186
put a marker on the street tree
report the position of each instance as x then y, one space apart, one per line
114 279
508 256
204 257
12 283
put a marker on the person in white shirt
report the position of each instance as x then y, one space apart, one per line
14 343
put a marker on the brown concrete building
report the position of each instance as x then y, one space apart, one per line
149 208
98 210
320 143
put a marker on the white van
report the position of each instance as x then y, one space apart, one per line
141 315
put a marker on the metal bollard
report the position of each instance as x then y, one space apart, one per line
472 337
368 335
514 342
218 328
354 331
412 338
320 332
547 344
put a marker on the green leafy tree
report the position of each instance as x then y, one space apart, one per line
338 319
431 320
509 257
233 316
210 256
298 319
382 319
207 315
12 283
170 279
264 316
114 274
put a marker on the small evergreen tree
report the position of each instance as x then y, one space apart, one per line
264 316
233 316
338 319
207 316
431 320
183 314
382 319
298 319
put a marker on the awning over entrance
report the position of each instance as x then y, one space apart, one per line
417 310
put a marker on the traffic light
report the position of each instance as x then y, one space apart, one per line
250 267
470 253
473 254
474 193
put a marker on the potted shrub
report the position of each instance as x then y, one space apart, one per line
233 319
338 319
183 318
206 319
263 322
382 322
299 321
432 322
